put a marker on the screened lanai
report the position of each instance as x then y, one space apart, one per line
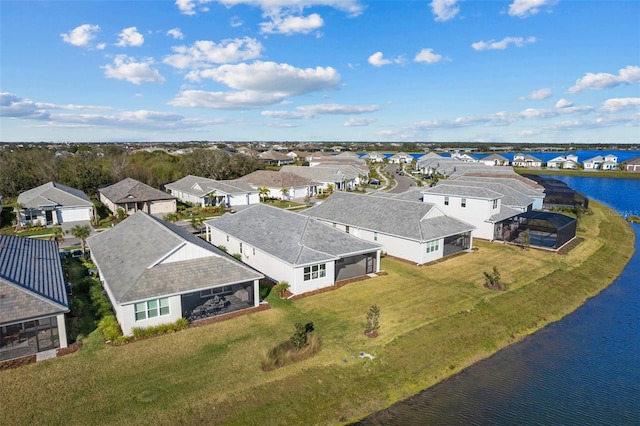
546 229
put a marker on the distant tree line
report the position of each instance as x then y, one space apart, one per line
89 168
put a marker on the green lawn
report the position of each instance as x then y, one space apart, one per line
435 320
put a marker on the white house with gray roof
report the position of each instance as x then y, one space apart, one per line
33 297
154 272
342 177
281 185
287 246
210 192
474 204
53 204
411 230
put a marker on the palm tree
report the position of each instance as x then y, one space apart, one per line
285 193
263 192
81 232
212 197
58 235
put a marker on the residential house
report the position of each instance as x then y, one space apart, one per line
524 189
341 177
33 297
275 158
563 162
473 204
633 165
400 157
53 204
130 196
495 160
291 247
467 158
281 185
154 272
414 231
209 192
526 160
374 157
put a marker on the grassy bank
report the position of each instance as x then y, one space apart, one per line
619 174
435 321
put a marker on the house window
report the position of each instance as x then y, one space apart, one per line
463 202
31 215
346 229
315 271
254 251
446 200
227 238
495 204
240 248
433 246
375 236
334 224
152 309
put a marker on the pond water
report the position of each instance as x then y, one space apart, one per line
582 370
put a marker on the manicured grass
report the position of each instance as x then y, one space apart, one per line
435 320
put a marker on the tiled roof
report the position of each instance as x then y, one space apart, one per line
53 194
130 190
292 237
406 219
127 253
31 279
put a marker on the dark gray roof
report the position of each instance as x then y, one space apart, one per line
509 196
200 186
130 190
127 253
53 194
271 178
407 219
31 279
504 213
324 173
292 237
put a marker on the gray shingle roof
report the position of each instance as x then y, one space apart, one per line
292 237
510 196
31 279
130 190
200 186
53 194
463 191
322 173
271 178
515 181
125 256
406 219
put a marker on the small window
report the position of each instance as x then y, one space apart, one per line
463 202
240 248
446 200
254 251
151 309
495 203
375 236
227 238
346 229
314 272
433 246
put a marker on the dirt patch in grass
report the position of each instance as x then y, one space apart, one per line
18 362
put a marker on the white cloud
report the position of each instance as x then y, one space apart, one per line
540 94
444 10
175 33
526 8
378 60
619 104
358 122
257 84
563 103
428 57
126 68
81 36
352 7
338 109
13 106
236 22
130 37
204 52
186 7
292 24
628 75
285 115
502 44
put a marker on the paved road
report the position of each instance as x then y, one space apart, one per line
403 182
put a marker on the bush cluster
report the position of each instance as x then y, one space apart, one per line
156 330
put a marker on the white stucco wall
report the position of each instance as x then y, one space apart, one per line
127 318
476 212
188 198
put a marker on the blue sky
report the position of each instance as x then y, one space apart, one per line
542 71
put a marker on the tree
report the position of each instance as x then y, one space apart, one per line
81 232
493 281
212 197
263 192
58 235
373 321
299 338
284 192
196 222
281 288
330 188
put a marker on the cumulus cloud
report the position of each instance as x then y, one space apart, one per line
526 8
358 122
444 10
257 84
378 60
428 57
563 103
82 36
285 115
502 44
15 107
127 68
310 111
539 95
590 81
292 24
204 52
175 33
130 37
619 104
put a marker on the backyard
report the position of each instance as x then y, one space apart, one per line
434 321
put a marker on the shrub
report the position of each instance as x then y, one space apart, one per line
281 288
237 256
156 330
99 301
110 329
299 337
373 321
171 217
286 353
492 280
223 248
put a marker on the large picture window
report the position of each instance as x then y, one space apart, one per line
152 309
315 271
